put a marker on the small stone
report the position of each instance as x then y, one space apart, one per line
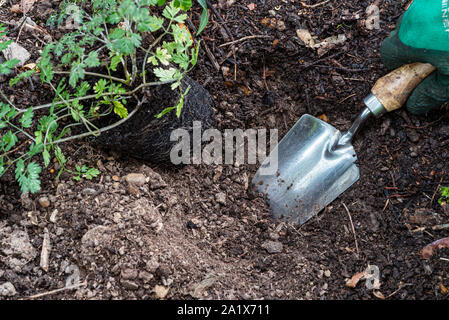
160 291
155 179
7 290
26 202
15 51
273 246
221 198
327 273
145 276
413 136
136 179
444 131
274 236
115 178
129 285
44 202
152 265
88 191
129 274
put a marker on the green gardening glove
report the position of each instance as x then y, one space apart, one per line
422 35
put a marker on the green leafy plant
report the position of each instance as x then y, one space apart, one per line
444 195
95 70
85 172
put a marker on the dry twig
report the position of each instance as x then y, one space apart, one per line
353 230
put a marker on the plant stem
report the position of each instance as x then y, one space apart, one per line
10 103
128 93
20 130
96 75
86 134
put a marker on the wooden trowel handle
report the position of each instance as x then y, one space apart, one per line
394 89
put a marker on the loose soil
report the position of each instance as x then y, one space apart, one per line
199 231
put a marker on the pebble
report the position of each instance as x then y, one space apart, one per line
136 179
444 131
327 273
273 246
129 274
88 191
16 51
44 202
160 291
7 290
413 136
145 276
129 285
221 198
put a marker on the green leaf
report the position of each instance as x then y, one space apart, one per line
5 44
5 67
166 110
100 86
117 33
20 166
8 141
60 156
28 180
46 156
170 11
27 118
20 76
113 18
120 109
92 59
4 110
163 56
46 68
76 73
124 45
91 173
82 89
204 17
181 102
167 74
183 4
35 149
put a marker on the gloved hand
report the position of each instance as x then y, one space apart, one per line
422 35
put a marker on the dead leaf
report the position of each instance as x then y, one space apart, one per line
246 90
306 37
17 8
352 283
323 117
330 43
30 66
443 289
427 251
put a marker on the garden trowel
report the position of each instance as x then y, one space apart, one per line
316 163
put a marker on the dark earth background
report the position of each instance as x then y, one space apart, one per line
199 232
